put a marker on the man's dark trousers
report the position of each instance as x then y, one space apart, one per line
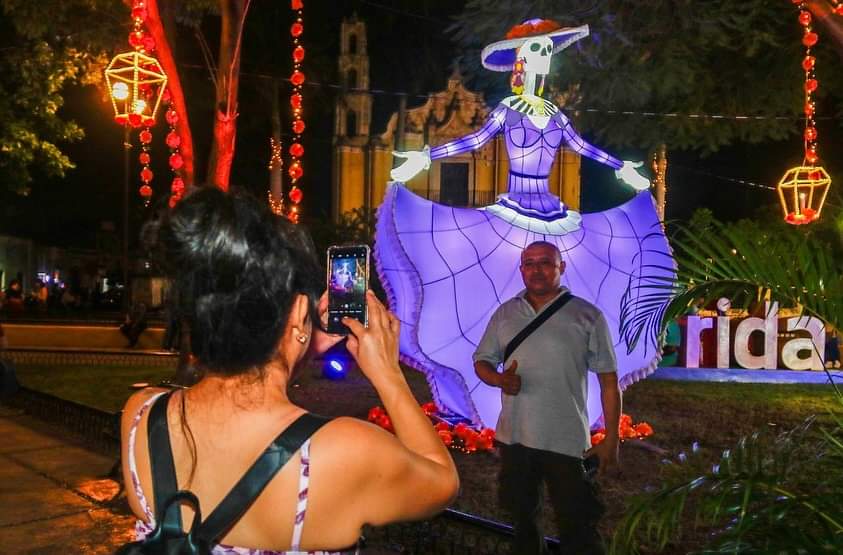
572 494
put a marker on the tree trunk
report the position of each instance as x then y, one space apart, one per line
164 53
232 14
275 166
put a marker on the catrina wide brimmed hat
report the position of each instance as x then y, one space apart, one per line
500 56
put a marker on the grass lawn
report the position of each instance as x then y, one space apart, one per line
713 415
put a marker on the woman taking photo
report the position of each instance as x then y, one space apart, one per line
247 284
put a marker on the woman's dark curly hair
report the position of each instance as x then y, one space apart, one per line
236 269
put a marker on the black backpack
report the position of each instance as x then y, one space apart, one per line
168 538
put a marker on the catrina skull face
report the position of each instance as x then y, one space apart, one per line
536 53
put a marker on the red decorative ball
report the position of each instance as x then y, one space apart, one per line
442 427
177 186
145 191
297 78
298 53
145 136
814 176
143 158
296 195
295 100
146 175
172 116
148 43
297 4
167 96
173 139
136 39
176 161
809 109
810 133
297 29
805 18
838 9
811 156
296 150
295 171
808 63
298 127
811 85
139 13
135 120
810 38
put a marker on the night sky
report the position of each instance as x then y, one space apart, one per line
409 52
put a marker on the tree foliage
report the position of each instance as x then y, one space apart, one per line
679 56
44 47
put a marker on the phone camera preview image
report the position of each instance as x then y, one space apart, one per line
348 279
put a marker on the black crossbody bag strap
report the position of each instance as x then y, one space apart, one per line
535 323
249 487
164 482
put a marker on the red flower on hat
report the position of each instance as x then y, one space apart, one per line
529 29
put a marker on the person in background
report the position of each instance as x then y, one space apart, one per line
832 347
543 425
247 286
672 339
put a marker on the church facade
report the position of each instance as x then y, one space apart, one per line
362 158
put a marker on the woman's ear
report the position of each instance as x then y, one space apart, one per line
300 314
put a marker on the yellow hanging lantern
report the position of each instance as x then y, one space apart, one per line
136 83
802 193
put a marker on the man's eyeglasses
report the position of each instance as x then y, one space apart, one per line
538 264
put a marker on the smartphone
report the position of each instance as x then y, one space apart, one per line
348 280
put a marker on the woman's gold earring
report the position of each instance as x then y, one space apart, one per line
302 338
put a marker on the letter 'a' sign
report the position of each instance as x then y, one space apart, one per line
798 353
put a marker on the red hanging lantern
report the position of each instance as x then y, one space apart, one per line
296 150
145 191
172 116
810 134
810 39
298 127
297 29
145 136
295 101
296 5
297 78
296 195
143 158
173 139
177 186
811 155
176 161
811 85
295 171
146 175
805 18
808 63
298 54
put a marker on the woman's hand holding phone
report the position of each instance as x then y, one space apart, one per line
321 340
375 348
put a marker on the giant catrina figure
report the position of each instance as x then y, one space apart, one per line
447 269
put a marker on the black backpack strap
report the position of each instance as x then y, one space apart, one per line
164 481
250 486
535 323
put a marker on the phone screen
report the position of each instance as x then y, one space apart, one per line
348 279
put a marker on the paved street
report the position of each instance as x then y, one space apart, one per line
54 497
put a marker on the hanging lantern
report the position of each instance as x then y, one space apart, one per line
136 82
802 193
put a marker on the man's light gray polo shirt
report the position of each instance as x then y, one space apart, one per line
550 411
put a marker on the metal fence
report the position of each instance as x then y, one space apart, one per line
450 533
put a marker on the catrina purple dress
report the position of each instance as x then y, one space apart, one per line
446 269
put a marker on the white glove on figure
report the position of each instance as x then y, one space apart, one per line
628 175
414 162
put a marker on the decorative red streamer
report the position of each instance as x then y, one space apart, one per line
297 79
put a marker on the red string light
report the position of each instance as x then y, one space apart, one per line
173 140
809 64
142 42
297 79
